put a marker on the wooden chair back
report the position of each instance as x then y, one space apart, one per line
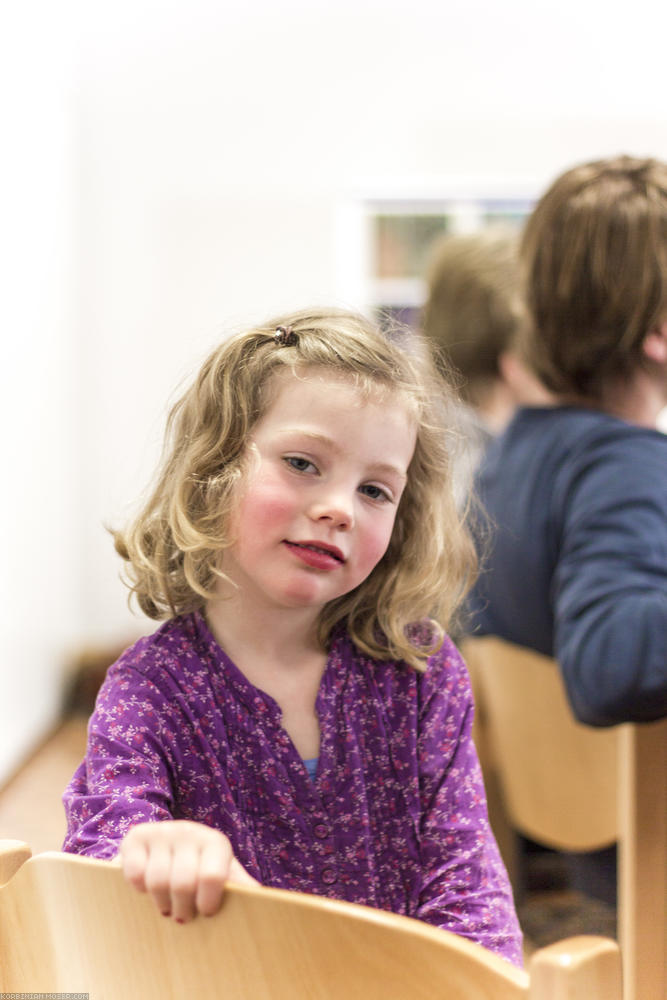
71 924
575 788
559 778
642 870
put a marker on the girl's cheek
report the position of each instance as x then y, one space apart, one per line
377 541
269 502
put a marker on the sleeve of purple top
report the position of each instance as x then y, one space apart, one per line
465 886
125 776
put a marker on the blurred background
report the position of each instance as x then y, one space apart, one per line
172 171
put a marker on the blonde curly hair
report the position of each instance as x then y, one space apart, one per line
173 545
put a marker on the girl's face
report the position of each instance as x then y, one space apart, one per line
325 473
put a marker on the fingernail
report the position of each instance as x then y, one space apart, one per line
166 913
179 920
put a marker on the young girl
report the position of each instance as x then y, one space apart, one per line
298 719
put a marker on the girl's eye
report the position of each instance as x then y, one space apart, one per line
299 464
375 493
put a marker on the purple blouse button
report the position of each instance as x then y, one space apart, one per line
321 831
329 876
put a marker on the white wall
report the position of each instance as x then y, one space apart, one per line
215 145
39 515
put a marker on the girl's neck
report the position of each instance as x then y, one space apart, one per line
254 635
280 657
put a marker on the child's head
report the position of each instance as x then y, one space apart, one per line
473 308
174 546
594 257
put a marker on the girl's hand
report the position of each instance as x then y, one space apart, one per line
183 865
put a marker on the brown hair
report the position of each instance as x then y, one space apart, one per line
172 547
472 311
594 263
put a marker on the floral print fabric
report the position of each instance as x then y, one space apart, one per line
395 818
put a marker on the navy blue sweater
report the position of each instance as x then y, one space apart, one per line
577 566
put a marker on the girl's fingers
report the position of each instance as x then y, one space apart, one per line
133 857
214 866
183 865
218 866
185 875
157 878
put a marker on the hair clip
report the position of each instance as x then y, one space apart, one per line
285 336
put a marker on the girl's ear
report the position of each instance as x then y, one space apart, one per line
655 344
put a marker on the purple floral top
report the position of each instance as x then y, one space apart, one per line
396 817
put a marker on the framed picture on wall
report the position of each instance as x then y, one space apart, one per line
385 242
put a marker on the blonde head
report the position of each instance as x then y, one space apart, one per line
173 546
473 308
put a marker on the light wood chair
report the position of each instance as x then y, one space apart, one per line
576 788
71 924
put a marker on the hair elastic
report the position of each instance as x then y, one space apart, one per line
285 336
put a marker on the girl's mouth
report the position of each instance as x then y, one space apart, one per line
316 554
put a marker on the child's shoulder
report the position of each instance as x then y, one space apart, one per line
442 667
175 644
399 691
446 669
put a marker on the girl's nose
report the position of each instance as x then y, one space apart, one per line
335 509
